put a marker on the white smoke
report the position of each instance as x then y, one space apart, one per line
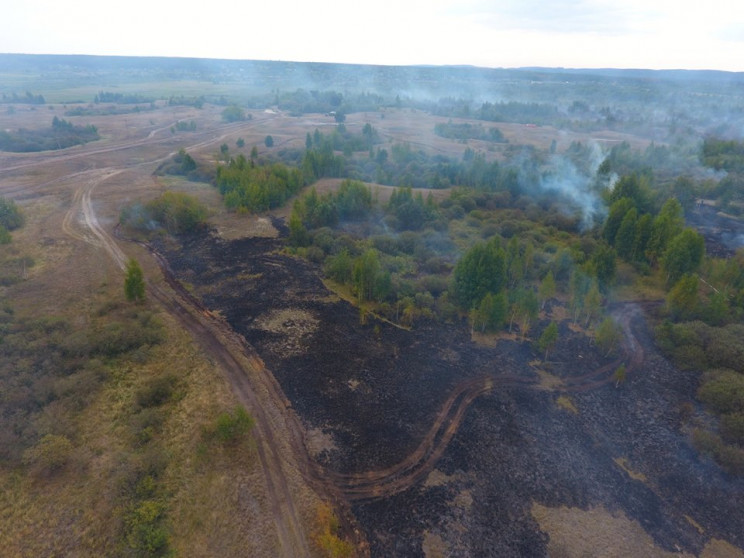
580 187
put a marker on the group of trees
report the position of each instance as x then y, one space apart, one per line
176 212
643 237
28 99
246 185
61 135
121 98
466 131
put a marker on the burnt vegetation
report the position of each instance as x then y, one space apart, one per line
516 320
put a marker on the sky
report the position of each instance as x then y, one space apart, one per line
653 34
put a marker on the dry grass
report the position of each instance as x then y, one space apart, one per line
600 533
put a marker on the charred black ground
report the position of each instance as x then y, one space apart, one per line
374 391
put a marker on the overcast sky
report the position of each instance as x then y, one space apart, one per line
492 33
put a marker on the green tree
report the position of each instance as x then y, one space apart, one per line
490 314
625 237
615 217
607 336
134 282
548 339
269 141
682 299
546 291
667 224
684 254
480 271
365 272
592 303
233 113
10 214
240 143
604 263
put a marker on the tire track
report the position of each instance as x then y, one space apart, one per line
383 483
246 375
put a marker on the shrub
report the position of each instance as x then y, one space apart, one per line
50 454
231 426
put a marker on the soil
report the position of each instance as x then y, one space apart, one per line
431 437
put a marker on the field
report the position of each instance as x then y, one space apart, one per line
425 441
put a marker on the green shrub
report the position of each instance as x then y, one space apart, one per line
233 425
724 393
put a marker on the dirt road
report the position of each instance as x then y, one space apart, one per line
278 434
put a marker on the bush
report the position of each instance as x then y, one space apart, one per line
50 454
156 392
231 426
10 215
724 393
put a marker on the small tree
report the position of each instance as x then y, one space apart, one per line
134 282
548 339
240 143
269 141
607 336
547 289
620 375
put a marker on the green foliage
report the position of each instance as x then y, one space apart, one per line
61 135
353 200
547 289
682 300
232 426
723 154
339 267
480 271
607 336
233 113
464 131
11 217
269 141
176 212
240 143
257 187
548 339
724 393
134 282
183 126
123 98
731 458
368 279
490 314
409 212
179 213
668 224
146 533
684 254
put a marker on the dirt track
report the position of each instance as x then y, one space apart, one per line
251 383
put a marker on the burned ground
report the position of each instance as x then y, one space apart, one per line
370 393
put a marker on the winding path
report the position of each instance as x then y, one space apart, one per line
253 386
